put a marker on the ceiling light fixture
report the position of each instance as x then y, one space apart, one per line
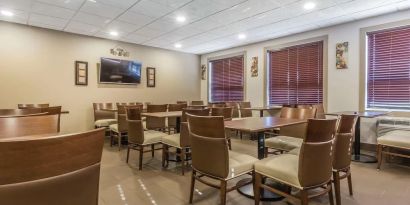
113 33
241 36
309 5
181 19
94 1
177 45
7 13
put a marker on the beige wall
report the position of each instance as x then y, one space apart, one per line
37 66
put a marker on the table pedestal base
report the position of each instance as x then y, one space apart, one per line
364 158
247 190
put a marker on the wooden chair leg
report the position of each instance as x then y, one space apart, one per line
223 192
164 150
240 134
304 197
152 150
191 193
349 183
256 187
330 193
183 161
119 141
266 150
111 139
128 153
336 182
379 156
141 156
229 144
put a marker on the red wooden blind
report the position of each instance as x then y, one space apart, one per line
226 83
296 75
388 69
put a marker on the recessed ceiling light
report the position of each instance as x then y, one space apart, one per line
241 36
177 45
94 1
113 33
309 5
181 19
7 13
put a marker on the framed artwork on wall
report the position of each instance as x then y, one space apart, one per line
81 73
342 51
150 77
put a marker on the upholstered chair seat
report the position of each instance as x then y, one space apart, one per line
104 122
240 164
172 140
284 143
152 137
396 138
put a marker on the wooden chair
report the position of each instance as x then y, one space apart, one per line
19 112
54 110
311 169
245 112
103 118
57 170
290 137
28 125
342 153
235 109
180 141
120 129
154 123
320 111
172 121
226 113
26 106
138 139
197 102
208 133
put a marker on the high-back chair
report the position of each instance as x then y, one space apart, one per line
28 125
57 170
19 112
120 129
208 133
342 153
138 139
235 108
197 102
172 121
181 141
103 118
290 137
154 123
245 112
54 110
27 106
311 169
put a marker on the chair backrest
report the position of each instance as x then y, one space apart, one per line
297 113
130 103
315 158
245 112
182 102
55 110
343 141
185 139
28 125
51 170
18 112
209 146
154 122
25 106
320 111
235 108
133 112
100 114
226 112
197 102
176 107
121 118
135 126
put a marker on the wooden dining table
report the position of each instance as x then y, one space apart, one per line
257 126
356 156
262 109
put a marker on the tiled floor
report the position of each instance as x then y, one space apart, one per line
123 184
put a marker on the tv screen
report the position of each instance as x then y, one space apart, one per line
120 71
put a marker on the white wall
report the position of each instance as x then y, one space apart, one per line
37 66
343 85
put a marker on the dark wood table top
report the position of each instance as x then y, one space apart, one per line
258 124
65 112
162 114
367 114
263 108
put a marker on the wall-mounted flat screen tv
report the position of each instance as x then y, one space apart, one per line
119 71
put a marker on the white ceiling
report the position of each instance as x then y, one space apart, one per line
210 24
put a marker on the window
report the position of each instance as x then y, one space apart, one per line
388 69
295 75
226 79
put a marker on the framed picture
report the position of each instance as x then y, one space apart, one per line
81 73
342 51
150 77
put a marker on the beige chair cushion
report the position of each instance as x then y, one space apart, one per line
105 122
152 137
240 164
283 168
114 127
295 151
397 138
283 143
172 140
233 119
144 124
